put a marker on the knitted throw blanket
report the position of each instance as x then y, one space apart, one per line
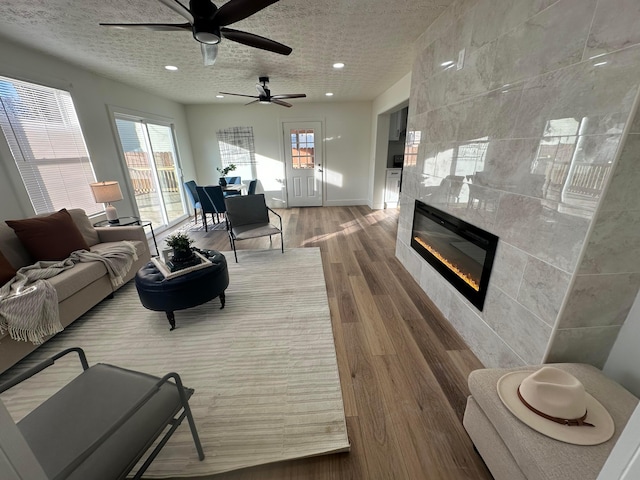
29 303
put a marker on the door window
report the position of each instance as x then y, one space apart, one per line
302 149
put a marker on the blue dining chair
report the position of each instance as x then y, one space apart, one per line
192 195
231 181
252 187
207 206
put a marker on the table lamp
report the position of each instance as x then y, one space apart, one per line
107 192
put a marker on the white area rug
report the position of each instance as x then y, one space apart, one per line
264 369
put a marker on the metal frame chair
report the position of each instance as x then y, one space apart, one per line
248 217
100 424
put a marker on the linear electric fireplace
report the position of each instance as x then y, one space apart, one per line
459 251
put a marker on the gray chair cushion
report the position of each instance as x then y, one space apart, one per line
254 231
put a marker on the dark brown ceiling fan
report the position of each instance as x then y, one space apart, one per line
264 94
208 25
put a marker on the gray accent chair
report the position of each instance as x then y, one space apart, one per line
100 424
248 217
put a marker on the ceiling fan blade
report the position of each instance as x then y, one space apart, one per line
280 102
289 95
256 41
157 27
180 9
236 10
238 95
209 53
250 102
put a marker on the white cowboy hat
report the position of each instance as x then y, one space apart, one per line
554 403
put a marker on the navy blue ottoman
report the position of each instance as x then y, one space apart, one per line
186 291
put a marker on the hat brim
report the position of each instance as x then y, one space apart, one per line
596 414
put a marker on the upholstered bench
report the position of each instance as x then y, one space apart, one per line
514 451
186 291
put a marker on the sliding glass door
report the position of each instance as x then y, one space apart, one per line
151 159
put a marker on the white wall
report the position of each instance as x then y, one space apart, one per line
92 96
384 104
346 131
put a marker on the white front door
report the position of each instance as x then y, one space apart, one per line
303 156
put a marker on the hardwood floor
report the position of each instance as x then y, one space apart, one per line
403 368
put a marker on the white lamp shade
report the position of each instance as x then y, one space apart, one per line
106 192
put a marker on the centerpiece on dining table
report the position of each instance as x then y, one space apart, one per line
224 172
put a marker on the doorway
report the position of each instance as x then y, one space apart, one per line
151 160
303 163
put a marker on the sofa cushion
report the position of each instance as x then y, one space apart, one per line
51 237
75 279
7 272
84 225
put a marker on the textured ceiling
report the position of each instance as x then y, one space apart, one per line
372 37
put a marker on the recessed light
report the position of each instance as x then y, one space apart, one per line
219 96
338 65
329 94
447 63
171 68
599 64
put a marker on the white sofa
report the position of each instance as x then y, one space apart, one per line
79 288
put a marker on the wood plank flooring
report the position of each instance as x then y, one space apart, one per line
403 368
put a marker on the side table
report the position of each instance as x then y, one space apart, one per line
125 221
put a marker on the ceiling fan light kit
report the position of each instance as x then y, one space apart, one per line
207 24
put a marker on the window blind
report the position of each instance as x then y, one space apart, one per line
44 135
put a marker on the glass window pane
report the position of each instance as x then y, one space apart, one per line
46 141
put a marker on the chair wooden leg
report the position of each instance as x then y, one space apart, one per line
204 217
195 215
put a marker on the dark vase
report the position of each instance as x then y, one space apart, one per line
222 182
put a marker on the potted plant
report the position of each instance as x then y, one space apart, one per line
224 172
181 245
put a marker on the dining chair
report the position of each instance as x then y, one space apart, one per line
192 195
252 187
248 217
216 194
207 207
231 181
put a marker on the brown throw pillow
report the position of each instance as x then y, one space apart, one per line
52 237
7 272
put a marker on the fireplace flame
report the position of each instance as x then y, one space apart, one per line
465 277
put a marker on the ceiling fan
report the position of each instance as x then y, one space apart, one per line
208 25
264 94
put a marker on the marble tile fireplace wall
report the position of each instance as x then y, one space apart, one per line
522 121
